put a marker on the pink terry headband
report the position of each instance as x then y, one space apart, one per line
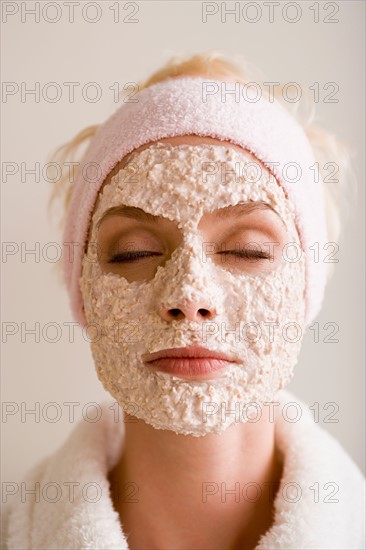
195 105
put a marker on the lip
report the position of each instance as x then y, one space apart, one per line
189 362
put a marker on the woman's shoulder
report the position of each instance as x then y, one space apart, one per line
300 419
321 487
61 494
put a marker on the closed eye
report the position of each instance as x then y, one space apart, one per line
248 253
132 256
245 253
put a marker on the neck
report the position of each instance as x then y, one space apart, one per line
214 491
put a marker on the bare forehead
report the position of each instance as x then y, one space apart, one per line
180 140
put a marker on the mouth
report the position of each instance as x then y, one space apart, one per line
192 362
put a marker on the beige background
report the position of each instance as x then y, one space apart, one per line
106 52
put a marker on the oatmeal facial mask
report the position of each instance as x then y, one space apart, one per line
258 316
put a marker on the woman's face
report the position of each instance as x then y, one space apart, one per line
189 246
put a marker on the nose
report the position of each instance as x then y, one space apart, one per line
191 311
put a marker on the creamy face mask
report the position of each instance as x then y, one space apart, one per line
258 317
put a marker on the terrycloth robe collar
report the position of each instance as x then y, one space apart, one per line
75 509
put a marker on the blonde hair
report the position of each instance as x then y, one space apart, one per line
329 151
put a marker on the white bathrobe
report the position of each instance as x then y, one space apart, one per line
324 508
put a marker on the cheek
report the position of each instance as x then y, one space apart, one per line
112 303
268 309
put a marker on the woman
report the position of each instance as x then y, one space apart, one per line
187 252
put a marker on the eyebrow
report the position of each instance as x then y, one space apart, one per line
234 210
240 209
128 212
